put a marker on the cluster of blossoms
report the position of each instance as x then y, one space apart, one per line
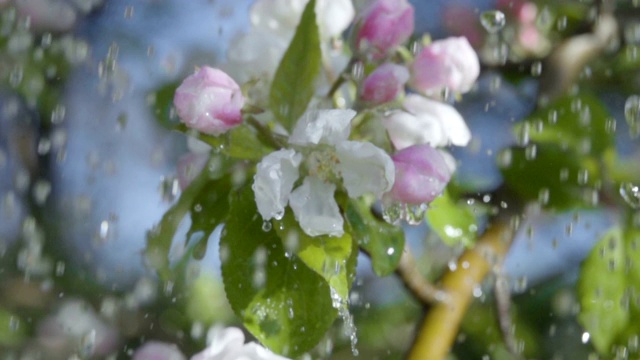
319 157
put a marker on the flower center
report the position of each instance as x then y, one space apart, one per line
321 162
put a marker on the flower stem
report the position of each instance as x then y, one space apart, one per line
440 327
413 280
265 134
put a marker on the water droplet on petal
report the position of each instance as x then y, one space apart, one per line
393 213
493 20
266 226
414 214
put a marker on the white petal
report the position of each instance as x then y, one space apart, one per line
365 168
253 351
273 182
222 343
334 16
316 209
449 160
322 126
452 123
407 129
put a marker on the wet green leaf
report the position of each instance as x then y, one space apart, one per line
243 143
383 242
293 83
601 289
209 208
577 124
609 290
160 238
454 223
13 330
328 256
282 302
556 178
163 101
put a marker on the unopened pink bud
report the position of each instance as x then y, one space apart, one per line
421 175
209 101
385 25
450 63
385 83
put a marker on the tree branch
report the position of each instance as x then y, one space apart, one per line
415 282
440 326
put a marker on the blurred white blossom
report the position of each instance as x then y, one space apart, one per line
228 344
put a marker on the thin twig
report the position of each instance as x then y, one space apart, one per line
440 327
503 302
415 282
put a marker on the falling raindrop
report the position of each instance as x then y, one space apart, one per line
631 194
357 70
530 152
536 68
60 266
505 158
128 12
632 114
266 226
88 344
14 323
523 135
610 125
169 188
41 191
493 20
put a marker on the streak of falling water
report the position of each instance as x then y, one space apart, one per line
342 305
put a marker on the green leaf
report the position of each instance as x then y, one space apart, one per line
556 178
13 329
209 208
575 123
454 223
328 256
293 83
601 288
609 289
160 238
383 242
163 101
282 302
243 143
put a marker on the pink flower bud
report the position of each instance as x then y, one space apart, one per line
450 63
209 101
422 174
384 84
385 24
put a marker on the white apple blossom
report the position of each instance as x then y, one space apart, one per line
426 121
327 160
256 54
282 16
228 344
